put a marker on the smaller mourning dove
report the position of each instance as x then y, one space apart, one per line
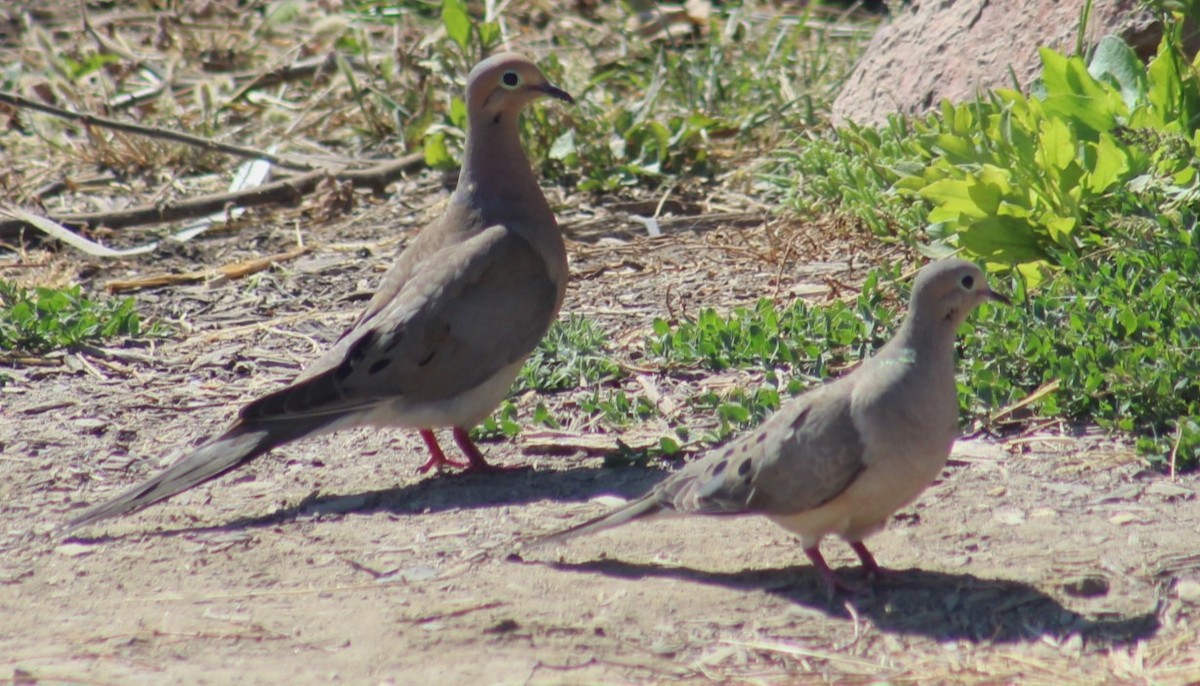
444 337
842 457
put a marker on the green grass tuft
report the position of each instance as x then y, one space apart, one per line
40 320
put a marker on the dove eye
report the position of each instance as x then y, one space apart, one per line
510 79
968 282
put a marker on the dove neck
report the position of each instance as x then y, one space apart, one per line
495 168
927 341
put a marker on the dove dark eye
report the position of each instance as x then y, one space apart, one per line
510 79
968 282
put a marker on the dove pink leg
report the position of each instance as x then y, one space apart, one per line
828 579
437 458
869 564
475 461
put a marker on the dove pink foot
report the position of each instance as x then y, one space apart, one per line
475 461
870 566
437 458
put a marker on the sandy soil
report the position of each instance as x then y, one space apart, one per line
1047 558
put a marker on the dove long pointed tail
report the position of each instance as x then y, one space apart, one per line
236 447
646 506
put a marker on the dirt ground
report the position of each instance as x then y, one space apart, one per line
1045 558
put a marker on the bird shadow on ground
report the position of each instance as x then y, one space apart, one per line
454 492
938 605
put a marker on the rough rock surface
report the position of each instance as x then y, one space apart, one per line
954 49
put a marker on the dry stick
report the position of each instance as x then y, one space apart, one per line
231 271
302 69
287 190
155 132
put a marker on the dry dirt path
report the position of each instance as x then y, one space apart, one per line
1048 559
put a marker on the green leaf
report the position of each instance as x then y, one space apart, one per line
1111 165
457 22
952 199
1057 144
436 154
489 34
1002 239
1117 61
563 146
458 112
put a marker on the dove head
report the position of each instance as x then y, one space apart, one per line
948 290
501 85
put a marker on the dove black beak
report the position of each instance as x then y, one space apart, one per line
993 295
556 92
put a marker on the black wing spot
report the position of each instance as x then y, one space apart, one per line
395 340
428 358
343 371
762 436
720 467
359 349
379 365
801 418
745 466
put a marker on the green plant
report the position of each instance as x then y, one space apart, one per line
1018 180
617 407
1118 331
501 424
573 354
40 320
742 408
806 339
1021 180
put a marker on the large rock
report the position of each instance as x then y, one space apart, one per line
957 48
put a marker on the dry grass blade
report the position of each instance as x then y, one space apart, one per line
230 271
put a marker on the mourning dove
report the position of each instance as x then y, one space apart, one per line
450 326
841 458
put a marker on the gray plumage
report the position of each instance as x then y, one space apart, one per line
448 329
841 458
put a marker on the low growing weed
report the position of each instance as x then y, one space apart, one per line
41 320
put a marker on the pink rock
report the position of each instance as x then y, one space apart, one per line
955 49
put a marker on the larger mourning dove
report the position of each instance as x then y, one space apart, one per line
841 458
450 326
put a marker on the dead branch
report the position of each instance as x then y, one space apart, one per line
288 190
156 132
231 271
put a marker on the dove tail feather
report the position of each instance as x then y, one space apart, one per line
646 506
236 447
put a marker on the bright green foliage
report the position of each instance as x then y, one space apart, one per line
1016 180
573 354
617 407
45 319
1019 180
807 339
743 408
1118 331
501 424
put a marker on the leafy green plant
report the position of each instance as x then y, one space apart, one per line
1117 331
1014 179
573 354
44 319
617 407
808 339
1020 180
742 408
501 424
